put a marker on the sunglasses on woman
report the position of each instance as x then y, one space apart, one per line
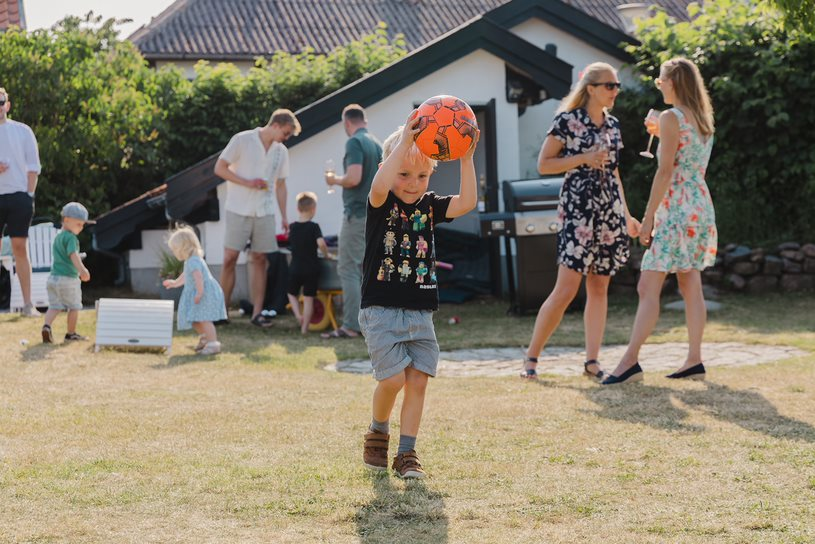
610 85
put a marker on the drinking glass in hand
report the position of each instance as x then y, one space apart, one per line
651 121
330 172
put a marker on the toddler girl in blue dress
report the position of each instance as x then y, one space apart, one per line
202 300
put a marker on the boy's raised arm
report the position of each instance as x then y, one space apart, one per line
389 170
467 196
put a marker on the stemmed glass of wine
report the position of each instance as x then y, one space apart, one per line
651 121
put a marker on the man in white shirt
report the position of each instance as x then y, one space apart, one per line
19 169
251 161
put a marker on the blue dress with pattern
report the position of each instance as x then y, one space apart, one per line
593 237
211 306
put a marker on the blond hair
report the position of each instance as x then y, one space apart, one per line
579 96
414 155
283 117
690 91
184 243
306 200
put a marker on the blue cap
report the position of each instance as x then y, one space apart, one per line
75 210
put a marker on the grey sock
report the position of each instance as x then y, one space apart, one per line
406 443
383 427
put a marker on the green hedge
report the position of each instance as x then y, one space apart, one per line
760 77
110 128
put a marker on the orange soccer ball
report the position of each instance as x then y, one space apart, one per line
448 127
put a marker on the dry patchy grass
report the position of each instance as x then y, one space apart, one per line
261 445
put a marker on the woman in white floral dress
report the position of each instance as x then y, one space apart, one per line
679 224
584 141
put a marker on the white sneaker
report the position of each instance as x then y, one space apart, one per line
211 348
30 311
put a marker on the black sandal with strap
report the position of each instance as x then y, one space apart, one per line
530 373
600 376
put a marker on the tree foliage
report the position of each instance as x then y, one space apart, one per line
220 101
759 74
86 95
110 128
798 13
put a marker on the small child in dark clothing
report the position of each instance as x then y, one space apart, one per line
304 239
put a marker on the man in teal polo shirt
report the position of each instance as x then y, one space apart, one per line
363 153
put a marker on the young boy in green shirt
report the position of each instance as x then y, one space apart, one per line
67 271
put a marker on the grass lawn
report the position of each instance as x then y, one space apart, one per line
262 445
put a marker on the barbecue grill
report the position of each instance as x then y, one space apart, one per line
530 218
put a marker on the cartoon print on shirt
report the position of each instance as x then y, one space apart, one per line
404 218
421 247
405 245
390 242
404 271
386 269
393 216
418 220
421 272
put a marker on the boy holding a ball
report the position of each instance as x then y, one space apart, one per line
396 313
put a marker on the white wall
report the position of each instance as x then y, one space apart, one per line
476 78
536 120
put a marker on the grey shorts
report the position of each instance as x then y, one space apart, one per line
64 293
399 338
259 231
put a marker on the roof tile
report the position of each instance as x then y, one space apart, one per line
244 29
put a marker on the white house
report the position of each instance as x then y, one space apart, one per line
512 65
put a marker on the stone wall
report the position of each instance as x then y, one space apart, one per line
789 267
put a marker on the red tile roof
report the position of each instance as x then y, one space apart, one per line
11 13
244 29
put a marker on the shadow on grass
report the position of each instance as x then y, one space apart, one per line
179 360
747 409
38 352
654 406
415 514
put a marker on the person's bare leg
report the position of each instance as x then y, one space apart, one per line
690 286
413 402
228 274
295 309
260 265
308 311
51 315
552 310
385 396
208 331
649 289
73 317
594 317
19 248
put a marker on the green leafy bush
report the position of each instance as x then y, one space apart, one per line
760 77
110 128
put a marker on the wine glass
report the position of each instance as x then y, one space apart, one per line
330 171
651 121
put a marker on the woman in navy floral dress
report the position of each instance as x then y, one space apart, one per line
584 142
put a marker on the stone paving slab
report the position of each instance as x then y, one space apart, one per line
565 361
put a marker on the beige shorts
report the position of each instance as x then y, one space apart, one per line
259 232
64 293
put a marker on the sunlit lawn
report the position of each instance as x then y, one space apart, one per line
262 445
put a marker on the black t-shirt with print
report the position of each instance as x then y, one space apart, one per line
399 269
303 246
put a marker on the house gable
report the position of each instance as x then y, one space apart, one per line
188 189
